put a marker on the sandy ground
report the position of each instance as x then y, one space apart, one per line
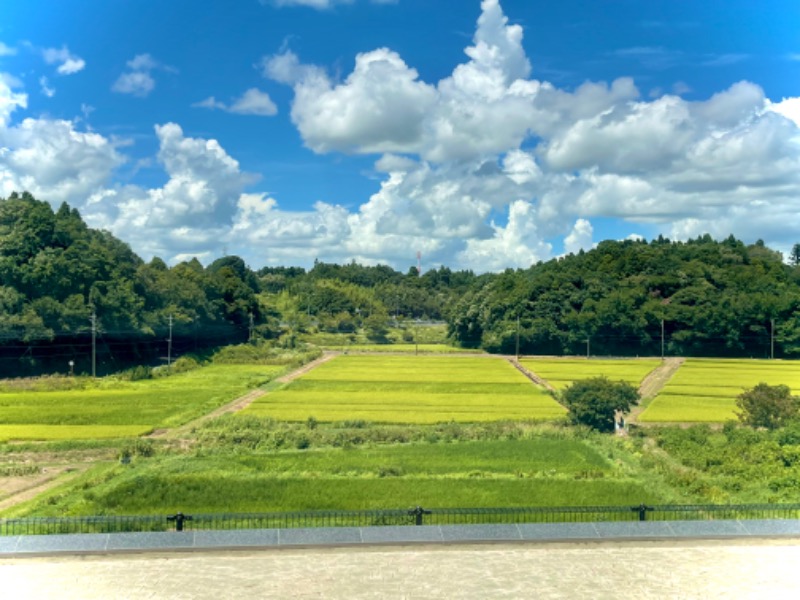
641 570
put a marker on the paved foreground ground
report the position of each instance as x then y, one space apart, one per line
754 568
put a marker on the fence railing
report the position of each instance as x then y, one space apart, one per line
402 517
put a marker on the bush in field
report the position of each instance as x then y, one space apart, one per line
769 406
184 364
594 402
138 373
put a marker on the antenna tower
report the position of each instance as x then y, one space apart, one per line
419 263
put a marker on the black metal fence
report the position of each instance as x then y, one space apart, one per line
414 516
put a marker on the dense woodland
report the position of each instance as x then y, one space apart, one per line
714 298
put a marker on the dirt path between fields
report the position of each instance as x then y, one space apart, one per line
653 384
530 374
326 356
241 402
16 490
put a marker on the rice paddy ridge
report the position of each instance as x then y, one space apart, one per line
530 374
652 385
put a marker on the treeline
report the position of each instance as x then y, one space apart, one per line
708 298
700 297
60 280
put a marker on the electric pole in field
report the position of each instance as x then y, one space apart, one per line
662 339
169 344
252 327
94 344
772 338
517 338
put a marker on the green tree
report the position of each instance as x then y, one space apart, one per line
769 406
794 255
595 401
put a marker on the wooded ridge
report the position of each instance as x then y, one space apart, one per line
700 297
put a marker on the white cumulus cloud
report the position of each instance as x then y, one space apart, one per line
138 79
487 168
67 62
252 102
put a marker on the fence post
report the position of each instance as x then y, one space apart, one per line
179 518
642 510
418 513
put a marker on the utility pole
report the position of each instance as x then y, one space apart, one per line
169 344
252 326
94 344
587 347
772 338
662 339
517 338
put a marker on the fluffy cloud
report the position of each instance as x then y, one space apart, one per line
7 50
598 151
44 85
252 102
383 107
379 108
193 211
136 83
54 161
138 79
9 99
67 62
518 244
50 157
580 238
485 169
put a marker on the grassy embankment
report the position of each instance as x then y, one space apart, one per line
540 467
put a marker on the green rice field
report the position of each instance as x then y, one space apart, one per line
109 408
525 472
562 372
408 389
705 390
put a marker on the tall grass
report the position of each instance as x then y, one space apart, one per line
530 472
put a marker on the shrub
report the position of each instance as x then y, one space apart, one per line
768 406
594 402
138 373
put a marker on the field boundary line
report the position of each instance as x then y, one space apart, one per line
241 402
530 374
300 371
653 383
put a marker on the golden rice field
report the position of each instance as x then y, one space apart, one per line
409 389
705 390
562 372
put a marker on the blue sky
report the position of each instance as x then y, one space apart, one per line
485 135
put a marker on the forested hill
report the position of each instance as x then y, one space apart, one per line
714 299
56 274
